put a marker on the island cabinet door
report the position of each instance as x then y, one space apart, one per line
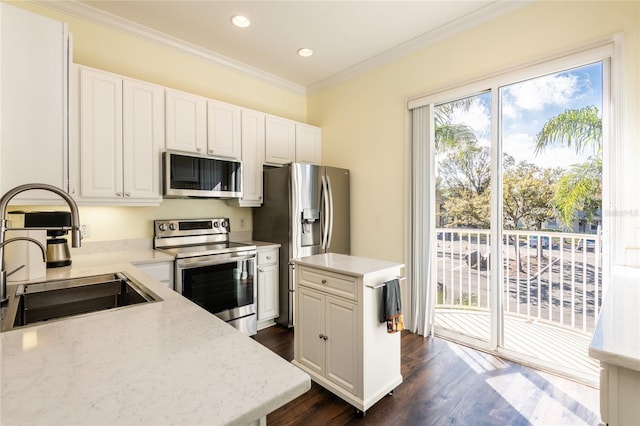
310 323
342 344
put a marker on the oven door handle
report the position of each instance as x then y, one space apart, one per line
190 262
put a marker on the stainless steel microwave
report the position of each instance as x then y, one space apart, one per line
187 175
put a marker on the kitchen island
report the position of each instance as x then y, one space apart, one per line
339 339
166 362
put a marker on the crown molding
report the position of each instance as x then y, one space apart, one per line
471 20
96 16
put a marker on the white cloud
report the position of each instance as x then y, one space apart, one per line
477 117
521 147
535 94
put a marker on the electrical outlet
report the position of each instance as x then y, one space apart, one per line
85 230
242 223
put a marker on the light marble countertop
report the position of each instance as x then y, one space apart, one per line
616 339
168 362
350 265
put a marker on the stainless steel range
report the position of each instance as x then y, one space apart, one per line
213 272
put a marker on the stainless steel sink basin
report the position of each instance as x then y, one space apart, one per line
34 303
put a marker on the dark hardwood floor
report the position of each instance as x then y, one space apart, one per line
445 384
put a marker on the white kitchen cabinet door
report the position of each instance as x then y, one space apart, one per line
280 140
342 343
223 130
33 95
143 139
310 324
100 135
268 292
308 144
186 122
252 158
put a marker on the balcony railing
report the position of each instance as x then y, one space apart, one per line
547 276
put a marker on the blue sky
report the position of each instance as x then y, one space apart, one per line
527 105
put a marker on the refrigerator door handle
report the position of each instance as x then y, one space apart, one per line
330 215
325 213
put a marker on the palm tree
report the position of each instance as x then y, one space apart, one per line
580 188
448 134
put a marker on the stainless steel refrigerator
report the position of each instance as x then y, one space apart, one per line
305 209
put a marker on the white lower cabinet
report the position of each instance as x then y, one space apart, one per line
268 287
338 339
327 341
161 271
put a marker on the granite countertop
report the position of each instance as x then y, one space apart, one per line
616 339
168 362
351 265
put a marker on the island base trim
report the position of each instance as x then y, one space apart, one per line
359 403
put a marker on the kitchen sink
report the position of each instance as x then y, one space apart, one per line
32 304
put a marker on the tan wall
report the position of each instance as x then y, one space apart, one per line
364 120
100 47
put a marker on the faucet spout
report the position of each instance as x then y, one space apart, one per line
4 274
4 202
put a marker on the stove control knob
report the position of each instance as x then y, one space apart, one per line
162 227
173 226
225 224
215 224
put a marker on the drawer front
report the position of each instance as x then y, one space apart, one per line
267 257
329 282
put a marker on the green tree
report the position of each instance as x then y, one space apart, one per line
527 196
580 188
527 199
464 178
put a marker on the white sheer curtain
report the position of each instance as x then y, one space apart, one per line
421 220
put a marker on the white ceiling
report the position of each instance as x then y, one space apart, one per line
346 36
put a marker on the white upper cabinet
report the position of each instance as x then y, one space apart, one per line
280 140
252 157
308 144
186 122
223 130
121 136
33 94
143 139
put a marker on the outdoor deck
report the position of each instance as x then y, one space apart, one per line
560 346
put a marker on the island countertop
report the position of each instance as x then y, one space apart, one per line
167 362
616 339
351 265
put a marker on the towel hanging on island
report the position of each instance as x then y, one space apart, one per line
391 306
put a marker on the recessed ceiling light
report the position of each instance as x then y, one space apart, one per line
305 52
240 21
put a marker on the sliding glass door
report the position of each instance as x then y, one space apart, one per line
518 214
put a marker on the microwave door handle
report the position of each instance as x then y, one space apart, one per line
330 213
325 213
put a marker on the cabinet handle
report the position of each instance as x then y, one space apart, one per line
119 194
261 270
324 281
198 149
322 336
268 257
127 194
